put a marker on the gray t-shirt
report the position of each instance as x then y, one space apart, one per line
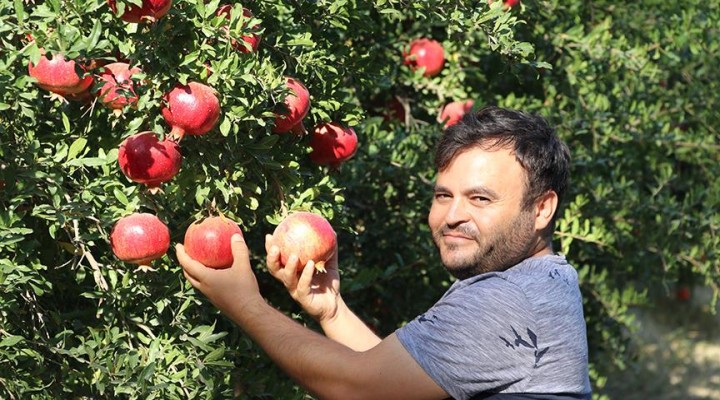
519 331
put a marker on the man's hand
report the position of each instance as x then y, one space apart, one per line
229 289
318 293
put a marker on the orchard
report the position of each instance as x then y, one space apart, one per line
128 126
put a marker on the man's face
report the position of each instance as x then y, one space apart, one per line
476 218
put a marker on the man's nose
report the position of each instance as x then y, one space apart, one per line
457 213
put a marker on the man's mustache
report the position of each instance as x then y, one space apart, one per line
463 230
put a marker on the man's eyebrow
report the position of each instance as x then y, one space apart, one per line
475 190
481 190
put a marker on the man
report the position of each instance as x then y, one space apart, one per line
510 327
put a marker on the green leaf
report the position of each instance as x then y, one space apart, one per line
216 354
87 162
303 41
147 372
225 126
11 341
66 122
120 196
19 11
76 147
95 35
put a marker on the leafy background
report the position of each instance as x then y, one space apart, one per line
631 87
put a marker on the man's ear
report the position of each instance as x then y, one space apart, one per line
545 207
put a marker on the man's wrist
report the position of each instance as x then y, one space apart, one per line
245 308
327 321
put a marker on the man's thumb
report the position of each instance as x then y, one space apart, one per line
239 249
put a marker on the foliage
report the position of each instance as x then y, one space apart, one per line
637 106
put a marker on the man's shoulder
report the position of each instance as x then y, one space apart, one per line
541 272
533 270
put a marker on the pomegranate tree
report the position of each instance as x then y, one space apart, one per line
427 54
143 158
295 107
251 41
208 241
139 238
118 89
332 144
191 109
149 11
307 235
454 111
59 76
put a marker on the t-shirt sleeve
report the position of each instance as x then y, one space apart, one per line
476 339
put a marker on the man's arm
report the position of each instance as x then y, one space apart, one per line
324 367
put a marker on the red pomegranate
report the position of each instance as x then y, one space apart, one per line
59 76
252 40
332 144
395 110
139 238
118 89
683 293
150 10
425 53
208 241
145 159
84 97
307 235
454 111
507 4
191 109
299 129
295 106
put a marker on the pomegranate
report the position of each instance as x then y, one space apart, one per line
507 4
59 76
252 40
150 10
84 97
208 241
139 238
307 235
425 53
454 111
332 144
395 110
683 293
296 107
191 109
145 159
299 129
118 89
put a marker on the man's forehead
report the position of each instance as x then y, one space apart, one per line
482 166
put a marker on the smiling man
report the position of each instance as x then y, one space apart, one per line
510 327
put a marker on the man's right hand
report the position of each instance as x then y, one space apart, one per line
317 293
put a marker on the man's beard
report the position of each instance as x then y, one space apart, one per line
504 248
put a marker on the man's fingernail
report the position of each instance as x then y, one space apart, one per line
236 237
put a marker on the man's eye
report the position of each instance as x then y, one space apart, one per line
480 199
441 195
